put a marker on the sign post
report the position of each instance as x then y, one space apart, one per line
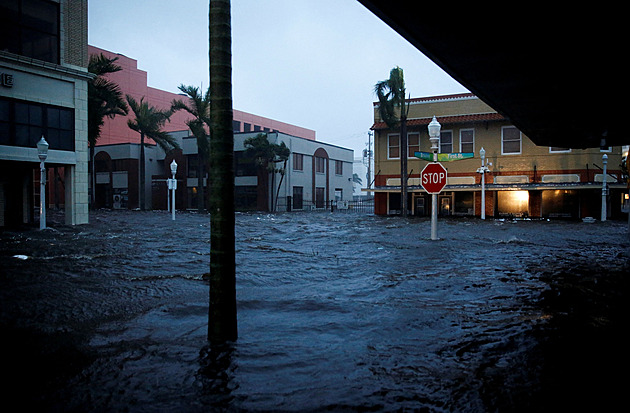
433 178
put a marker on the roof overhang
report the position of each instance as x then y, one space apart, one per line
555 74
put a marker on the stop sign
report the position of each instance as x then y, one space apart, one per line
433 178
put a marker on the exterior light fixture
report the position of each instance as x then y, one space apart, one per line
172 185
482 171
42 152
434 136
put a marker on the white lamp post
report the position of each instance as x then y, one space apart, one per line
434 137
605 161
173 186
42 152
482 170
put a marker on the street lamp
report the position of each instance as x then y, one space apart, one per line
173 186
434 137
604 161
42 152
482 171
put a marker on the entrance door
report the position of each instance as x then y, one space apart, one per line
420 207
445 205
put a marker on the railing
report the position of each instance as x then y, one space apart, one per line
362 206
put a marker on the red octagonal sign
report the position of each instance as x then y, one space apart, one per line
433 178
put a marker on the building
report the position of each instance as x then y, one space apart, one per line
43 93
523 180
117 153
317 175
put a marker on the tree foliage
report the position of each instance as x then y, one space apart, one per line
105 99
391 97
198 106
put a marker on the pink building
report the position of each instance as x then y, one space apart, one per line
133 81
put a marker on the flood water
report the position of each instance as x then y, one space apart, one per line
336 312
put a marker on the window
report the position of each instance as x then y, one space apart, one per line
247 127
30 28
338 168
236 126
413 144
24 123
555 149
510 141
446 141
393 146
467 140
243 165
320 165
298 162
298 197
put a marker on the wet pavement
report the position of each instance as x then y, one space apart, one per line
337 312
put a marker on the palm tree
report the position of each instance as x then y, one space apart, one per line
199 107
282 155
148 122
265 155
222 323
105 99
391 96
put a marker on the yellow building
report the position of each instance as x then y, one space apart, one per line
522 179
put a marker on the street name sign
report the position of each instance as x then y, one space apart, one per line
444 157
433 178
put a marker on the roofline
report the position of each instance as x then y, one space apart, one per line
446 120
427 99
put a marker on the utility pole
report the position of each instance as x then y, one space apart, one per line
369 160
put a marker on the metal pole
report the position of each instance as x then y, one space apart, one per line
173 203
434 209
42 195
483 192
605 161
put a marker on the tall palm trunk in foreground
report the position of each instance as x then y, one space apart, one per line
222 324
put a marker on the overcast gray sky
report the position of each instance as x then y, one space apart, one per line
311 63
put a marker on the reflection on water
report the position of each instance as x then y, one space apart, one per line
336 312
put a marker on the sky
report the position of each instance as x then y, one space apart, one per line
310 63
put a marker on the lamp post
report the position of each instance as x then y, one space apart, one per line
604 161
434 136
42 152
173 186
482 171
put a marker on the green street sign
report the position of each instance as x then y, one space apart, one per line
444 157
427 156
447 157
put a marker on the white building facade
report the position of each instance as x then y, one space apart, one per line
43 93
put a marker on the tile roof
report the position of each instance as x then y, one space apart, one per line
445 120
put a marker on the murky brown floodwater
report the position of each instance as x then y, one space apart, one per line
337 312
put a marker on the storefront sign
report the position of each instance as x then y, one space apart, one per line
6 79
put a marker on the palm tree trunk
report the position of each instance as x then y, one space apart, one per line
403 163
284 170
142 173
200 196
222 324
92 178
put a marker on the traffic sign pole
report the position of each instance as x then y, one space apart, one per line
433 178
